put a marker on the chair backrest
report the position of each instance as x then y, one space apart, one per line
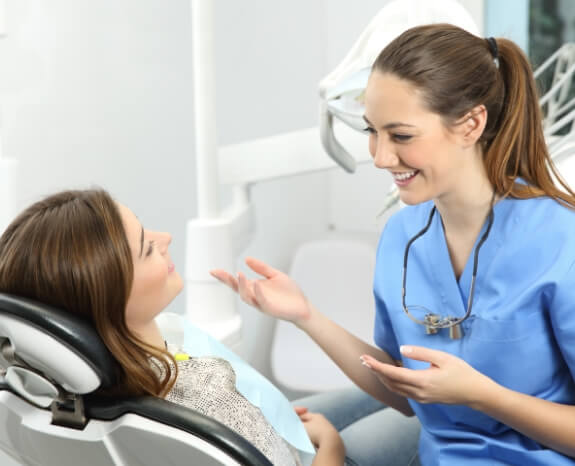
52 361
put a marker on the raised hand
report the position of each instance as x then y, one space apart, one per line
275 294
448 379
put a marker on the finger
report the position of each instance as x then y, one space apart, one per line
415 393
404 390
305 417
244 289
225 278
261 267
399 388
420 353
393 373
391 383
259 294
378 368
300 409
371 363
388 383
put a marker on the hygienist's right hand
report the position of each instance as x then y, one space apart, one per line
275 294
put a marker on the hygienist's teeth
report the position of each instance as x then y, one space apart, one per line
404 176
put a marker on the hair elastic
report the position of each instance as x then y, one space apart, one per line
494 50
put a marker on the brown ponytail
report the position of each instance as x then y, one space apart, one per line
457 71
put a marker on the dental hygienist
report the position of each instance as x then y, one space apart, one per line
475 278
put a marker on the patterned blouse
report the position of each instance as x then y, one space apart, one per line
208 385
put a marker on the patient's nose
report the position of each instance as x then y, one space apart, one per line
163 240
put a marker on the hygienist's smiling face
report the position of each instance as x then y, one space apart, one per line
156 282
409 141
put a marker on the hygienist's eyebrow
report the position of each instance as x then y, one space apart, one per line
389 125
142 242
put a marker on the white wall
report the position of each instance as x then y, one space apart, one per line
98 93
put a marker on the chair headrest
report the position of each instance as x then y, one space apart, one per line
56 343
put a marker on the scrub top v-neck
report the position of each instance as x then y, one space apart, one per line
520 331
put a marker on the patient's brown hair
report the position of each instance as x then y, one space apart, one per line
70 251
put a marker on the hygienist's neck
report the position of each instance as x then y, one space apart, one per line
465 209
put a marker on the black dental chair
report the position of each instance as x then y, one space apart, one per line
51 362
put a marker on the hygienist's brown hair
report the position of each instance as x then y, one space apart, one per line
457 71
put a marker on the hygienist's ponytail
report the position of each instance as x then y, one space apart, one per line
457 71
519 148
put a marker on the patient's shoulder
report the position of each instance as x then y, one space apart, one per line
206 371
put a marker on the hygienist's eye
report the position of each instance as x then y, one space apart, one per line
401 137
369 129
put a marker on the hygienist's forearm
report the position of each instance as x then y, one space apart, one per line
345 349
551 424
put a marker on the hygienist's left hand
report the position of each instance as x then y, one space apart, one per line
447 380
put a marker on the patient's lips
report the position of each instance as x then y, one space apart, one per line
171 267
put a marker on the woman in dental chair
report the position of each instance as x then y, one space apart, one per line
475 279
83 252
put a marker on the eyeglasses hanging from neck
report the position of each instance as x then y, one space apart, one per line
423 316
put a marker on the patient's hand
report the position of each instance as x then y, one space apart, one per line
324 436
275 294
320 430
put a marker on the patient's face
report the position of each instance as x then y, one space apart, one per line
156 282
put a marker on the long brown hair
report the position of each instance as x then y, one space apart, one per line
70 251
457 71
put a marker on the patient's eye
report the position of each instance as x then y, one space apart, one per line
150 249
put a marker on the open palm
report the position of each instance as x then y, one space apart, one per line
275 294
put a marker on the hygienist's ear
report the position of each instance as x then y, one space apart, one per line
471 126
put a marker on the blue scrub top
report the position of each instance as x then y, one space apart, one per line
521 332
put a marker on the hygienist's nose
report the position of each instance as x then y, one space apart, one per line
383 153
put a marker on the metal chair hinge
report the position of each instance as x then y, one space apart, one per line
68 411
